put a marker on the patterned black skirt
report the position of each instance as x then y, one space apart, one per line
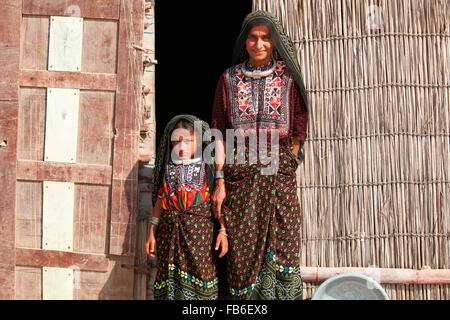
186 261
263 222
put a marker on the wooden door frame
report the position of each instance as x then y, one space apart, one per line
10 21
124 195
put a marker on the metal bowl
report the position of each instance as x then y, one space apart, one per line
350 286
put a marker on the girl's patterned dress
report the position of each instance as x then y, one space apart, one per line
186 264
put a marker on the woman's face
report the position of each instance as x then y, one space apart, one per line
184 143
259 45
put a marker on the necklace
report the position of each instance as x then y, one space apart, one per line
258 74
186 161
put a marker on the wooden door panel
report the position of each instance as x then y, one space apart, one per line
29 214
95 134
31 135
34 42
92 205
103 174
28 283
99 34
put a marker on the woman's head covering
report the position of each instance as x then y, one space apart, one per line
283 45
165 147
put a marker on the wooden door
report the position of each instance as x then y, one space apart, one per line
69 128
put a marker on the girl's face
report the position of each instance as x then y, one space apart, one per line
184 143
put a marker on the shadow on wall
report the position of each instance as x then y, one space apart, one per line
119 284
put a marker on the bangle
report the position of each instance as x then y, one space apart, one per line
154 220
220 175
223 231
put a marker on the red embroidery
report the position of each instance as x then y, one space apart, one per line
222 108
260 103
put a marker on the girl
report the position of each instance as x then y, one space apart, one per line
182 225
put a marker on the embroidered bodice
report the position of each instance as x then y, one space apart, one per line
184 185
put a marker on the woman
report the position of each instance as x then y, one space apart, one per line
263 90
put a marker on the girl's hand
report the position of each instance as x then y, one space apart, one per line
222 241
151 245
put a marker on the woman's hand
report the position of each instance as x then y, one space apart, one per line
150 246
218 197
222 241
295 146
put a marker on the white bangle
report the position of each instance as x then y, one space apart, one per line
220 174
223 231
154 220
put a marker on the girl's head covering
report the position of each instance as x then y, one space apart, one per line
165 147
283 44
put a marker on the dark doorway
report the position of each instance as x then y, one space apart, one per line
194 44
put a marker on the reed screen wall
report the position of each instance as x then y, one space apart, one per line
375 185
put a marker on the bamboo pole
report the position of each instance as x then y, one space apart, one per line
381 275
